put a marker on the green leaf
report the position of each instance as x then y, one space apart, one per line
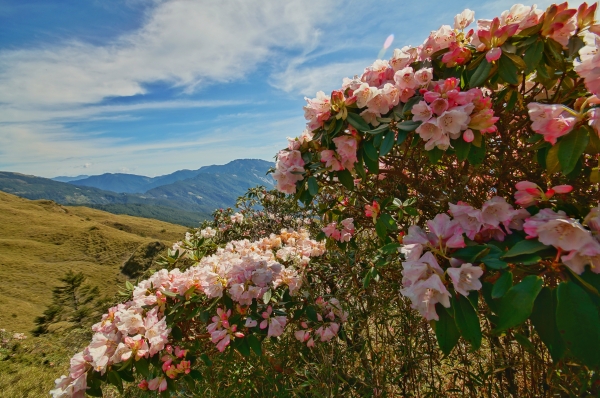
370 150
382 128
445 330
346 179
401 137
242 346
469 253
311 314
571 148
481 74
508 70
492 259
357 122
387 144
408 125
255 344
543 319
142 367
114 379
196 374
578 323
525 342
206 360
390 248
128 285
502 285
313 186
372 164
527 246
467 321
435 155
381 229
368 277
533 55
517 303
552 163
476 154
388 221
462 148
176 333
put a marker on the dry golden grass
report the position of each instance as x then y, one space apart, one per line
40 241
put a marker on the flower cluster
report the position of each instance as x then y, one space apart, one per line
579 246
329 318
289 170
342 232
447 113
137 329
529 193
588 65
424 280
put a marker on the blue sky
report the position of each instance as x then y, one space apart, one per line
153 86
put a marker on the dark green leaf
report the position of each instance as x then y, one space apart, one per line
552 162
543 319
481 74
242 346
492 259
476 154
390 248
578 323
526 247
255 344
525 342
469 253
311 314
401 137
502 285
571 148
387 144
508 70
467 321
408 125
346 179
382 128
435 155
388 221
517 303
196 374
372 164
370 150
462 148
115 380
176 333
313 186
533 55
142 367
445 330
358 122
206 360
381 229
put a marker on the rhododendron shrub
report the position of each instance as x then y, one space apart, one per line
238 296
476 155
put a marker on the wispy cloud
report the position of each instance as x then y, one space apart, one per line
184 43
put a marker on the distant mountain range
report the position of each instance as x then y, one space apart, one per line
184 197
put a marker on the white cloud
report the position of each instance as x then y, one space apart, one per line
308 80
184 43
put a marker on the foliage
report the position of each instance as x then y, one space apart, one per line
456 188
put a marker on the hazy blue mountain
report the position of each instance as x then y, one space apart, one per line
119 182
253 169
183 197
69 179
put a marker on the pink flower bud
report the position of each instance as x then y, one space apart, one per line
468 135
494 54
562 189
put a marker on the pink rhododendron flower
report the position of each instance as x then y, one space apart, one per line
331 160
493 54
444 232
468 217
424 76
421 112
403 57
551 121
588 65
373 210
465 278
288 170
274 323
346 148
158 383
468 135
317 110
464 19
364 93
529 193
425 294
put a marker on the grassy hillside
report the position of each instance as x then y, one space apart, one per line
40 241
